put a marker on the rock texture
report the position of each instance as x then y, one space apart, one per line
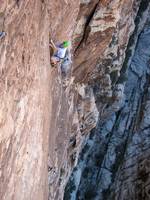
24 93
114 162
46 117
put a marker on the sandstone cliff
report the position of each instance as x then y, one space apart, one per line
94 120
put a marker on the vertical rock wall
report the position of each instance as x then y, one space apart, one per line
115 158
45 118
24 95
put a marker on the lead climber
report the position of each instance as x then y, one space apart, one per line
59 51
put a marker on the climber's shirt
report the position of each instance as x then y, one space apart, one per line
61 52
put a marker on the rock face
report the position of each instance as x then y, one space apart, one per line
114 162
24 94
48 119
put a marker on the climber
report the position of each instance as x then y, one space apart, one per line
59 51
2 34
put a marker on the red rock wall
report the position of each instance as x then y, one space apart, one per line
24 100
41 114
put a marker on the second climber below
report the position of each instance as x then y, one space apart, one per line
59 51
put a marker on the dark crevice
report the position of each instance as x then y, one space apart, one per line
87 28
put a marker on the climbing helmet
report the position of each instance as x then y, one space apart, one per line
66 44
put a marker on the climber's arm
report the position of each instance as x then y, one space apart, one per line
53 46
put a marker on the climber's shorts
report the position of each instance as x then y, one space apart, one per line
57 58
